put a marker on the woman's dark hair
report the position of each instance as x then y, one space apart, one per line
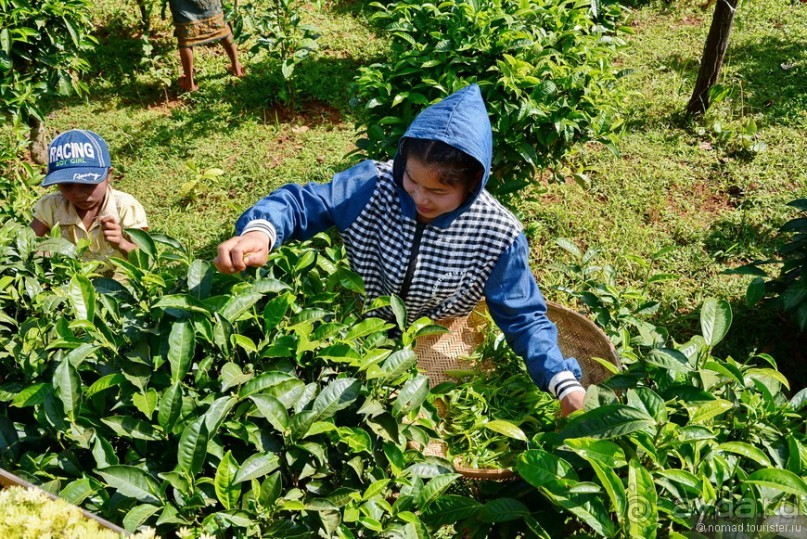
452 166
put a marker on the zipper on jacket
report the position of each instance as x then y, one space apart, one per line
410 269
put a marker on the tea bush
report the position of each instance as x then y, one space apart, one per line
42 52
788 289
545 68
678 439
275 405
268 405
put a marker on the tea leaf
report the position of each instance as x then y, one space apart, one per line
613 487
435 488
399 310
193 447
200 278
143 240
411 395
502 510
78 491
704 411
104 453
746 450
397 364
642 510
545 470
67 383
146 402
647 400
781 480
799 400
130 428
256 466
138 515
668 359
338 395
366 327
450 508
715 320
181 347
170 407
238 305
506 428
273 411
132 482
32 395
82 295
228 490
607 421
608 453
263 382
217 413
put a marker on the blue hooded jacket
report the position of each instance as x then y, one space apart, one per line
376 218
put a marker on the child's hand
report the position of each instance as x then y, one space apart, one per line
113 233
235 254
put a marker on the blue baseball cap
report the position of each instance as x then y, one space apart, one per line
77 156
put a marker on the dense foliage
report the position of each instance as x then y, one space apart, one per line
43 48
187 397
277 29
681 438
275 405
788 289
545 68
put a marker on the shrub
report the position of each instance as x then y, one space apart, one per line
42 48
278 31
788 290
545 68
679 438
17 179
270 404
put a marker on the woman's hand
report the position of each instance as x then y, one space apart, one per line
235 254
572 402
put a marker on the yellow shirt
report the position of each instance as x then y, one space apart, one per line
55 209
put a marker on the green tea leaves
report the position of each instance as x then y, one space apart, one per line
716 319
608 421
181 346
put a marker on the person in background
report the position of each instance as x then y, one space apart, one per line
423 227
86 206
197 22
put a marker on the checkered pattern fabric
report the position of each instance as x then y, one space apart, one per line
453 263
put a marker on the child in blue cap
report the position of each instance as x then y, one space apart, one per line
422 226
86 206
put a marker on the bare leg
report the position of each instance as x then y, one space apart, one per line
186 80
232 51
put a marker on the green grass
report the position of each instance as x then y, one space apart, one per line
675 183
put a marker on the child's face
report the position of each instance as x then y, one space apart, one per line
431 197
84 196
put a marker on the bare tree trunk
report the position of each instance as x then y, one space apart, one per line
37 136
713 54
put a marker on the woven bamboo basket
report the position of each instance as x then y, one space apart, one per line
578 337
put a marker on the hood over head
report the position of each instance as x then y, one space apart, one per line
460 120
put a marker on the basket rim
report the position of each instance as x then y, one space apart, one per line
590 325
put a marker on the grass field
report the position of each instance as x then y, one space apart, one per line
685 187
